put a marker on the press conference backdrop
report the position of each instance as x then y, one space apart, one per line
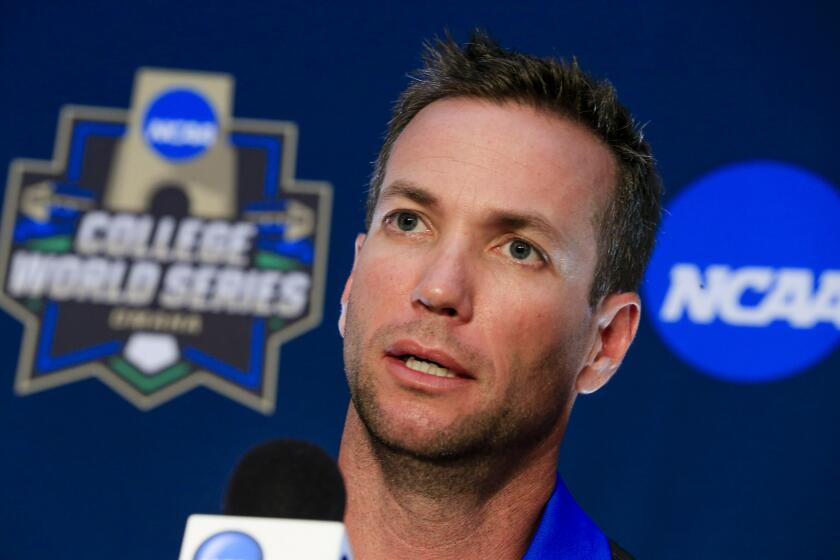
717 439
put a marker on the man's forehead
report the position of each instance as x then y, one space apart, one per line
511 126
506 156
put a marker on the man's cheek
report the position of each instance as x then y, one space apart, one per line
384 279
526 317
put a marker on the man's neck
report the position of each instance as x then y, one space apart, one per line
396 509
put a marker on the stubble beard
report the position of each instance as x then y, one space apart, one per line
474 455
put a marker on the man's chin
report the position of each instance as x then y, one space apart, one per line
423 447
420 433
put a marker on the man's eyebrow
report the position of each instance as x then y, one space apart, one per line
516 221
500 219
409 190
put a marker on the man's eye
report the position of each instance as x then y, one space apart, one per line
522 251
408 222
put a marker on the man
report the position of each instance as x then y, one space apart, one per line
512 209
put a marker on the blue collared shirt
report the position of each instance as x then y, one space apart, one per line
565 531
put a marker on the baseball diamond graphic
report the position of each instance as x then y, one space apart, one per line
164 247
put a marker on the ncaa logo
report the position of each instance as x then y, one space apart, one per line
744 283
180 125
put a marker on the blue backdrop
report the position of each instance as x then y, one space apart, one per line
670 461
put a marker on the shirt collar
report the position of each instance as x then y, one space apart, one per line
566 532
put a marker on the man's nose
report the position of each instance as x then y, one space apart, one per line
445 286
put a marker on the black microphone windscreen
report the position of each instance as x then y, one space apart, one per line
289 479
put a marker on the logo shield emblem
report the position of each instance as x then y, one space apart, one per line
164 247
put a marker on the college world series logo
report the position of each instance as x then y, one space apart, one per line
164 247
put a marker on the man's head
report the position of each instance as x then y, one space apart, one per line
484 70
471 319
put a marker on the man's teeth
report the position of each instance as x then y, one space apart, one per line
428 367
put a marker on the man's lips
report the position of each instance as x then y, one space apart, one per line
404 349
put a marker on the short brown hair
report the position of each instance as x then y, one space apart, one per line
482 69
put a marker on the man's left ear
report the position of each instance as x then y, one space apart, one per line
617 320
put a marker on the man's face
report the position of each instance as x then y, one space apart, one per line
466 315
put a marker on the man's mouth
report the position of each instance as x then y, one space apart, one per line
426 366
429 361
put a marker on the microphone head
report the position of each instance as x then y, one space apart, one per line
289 479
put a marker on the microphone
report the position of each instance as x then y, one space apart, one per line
286 478
285 500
